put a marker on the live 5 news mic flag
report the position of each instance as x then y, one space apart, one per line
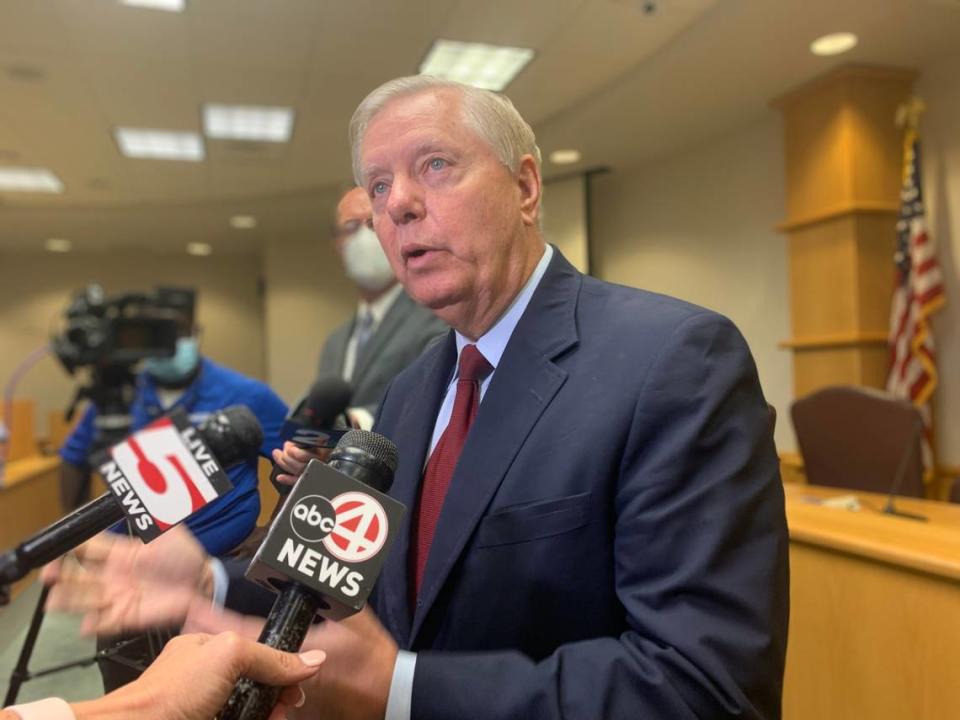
163 474
158 476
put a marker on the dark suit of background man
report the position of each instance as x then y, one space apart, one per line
388 330
611 541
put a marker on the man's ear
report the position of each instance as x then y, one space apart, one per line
529 183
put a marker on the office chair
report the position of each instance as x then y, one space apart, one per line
860 438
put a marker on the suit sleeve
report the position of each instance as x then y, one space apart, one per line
700 551
244 596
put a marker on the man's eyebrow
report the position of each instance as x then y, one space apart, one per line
419 150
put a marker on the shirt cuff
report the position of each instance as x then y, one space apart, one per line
221 581
46 709
361 416
400 699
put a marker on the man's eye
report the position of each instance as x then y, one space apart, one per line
379 188
438 164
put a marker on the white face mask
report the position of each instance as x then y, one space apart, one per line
365 262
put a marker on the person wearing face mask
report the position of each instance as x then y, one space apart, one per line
199 386
388 330
189 381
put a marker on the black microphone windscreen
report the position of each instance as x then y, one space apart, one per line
233 434
328 397
375 444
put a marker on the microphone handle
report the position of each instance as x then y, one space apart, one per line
286 627
282 490
61 537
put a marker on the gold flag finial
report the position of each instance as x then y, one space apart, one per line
909 112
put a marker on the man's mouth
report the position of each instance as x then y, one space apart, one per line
415 253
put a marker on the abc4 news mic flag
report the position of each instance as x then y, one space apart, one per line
331 536
323 551
157 477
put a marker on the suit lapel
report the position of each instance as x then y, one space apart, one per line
338 349
522 387
412 434
385 330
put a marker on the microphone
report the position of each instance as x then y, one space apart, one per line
323 551
890 508
310 423
157 477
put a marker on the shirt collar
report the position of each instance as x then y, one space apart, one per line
379 307
494 341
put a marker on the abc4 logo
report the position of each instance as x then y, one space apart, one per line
353 526
313 518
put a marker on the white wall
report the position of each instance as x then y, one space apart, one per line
940 135
307 296
699 226
35 289
564 218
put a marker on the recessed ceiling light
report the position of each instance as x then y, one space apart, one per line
247 122
833 44
198 248
168 5
27 179
565 157
159 144
243 222
491 67
58 245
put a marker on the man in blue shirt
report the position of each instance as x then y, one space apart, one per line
198 386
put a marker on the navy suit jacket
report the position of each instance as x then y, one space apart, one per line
613 542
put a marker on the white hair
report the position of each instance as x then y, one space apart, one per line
491 115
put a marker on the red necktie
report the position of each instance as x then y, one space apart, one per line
436 478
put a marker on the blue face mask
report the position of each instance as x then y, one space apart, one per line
176 368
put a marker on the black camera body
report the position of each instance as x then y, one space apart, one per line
122 330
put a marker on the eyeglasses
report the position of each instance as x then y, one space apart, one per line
350 227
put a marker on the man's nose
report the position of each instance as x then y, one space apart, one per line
405 203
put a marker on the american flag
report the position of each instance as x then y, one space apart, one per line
917 295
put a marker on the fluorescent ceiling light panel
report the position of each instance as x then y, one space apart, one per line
834 44
168 5
484 66
243 222
248 122
29 179
198 248
159 144
58 245
565 157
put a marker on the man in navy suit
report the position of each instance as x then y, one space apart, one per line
611 542
596 525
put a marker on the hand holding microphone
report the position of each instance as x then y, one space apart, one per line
308 431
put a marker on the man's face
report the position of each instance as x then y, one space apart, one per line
353 212
452 219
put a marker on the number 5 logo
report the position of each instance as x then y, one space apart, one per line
163 473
